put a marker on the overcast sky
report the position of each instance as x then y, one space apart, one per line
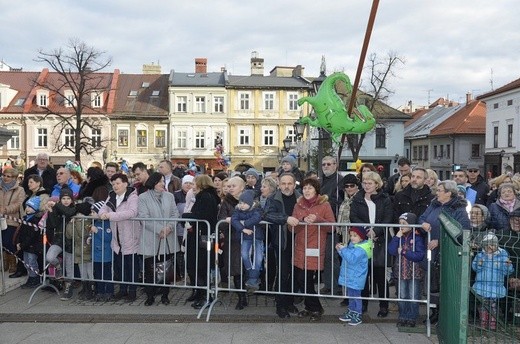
450 46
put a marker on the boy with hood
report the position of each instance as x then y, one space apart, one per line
289 165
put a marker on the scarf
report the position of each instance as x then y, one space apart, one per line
508 204
308 203
157 195
8 186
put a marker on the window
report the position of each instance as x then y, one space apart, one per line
200 136
218 104
290 133
426 157
510 102
510 135
69 137
97 99
132 93
160 138
243 136
420 153
155 93
19 102
448 151
244 101
495 137
495 106
200 104
42 98
293 101
182 102
41 138
380 137
268 101
414 153
142 138
441 151
181 138
69 99
219 137
435 155
14 141
475 151
268 136
122 137
96 137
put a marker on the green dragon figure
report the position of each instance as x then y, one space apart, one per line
331 113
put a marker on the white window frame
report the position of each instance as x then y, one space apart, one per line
268 100
218 104
290 133
292 101
141 141
200 138
244 101
42 137
42 98
69 100
200 104
268 136
181 138
69 137
182 103
14 141
244 136
161 137
96 98
119 142
95 137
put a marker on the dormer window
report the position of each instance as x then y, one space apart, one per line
97 99
42 98
69 99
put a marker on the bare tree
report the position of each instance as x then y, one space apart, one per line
380 70
76 93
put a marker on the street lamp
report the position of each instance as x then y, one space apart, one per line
396 157
287 144
299 130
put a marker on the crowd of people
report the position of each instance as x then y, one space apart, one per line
324 230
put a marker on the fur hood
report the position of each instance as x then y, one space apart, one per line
321 199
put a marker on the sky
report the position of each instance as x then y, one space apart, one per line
451 47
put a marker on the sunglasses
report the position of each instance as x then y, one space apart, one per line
349 185
473 170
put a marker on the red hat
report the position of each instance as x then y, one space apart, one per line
361 232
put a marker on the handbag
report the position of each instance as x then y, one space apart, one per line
435 278
164 271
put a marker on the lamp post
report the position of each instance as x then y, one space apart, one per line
316 83
501 165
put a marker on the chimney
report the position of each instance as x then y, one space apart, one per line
201 65
298 71
468 97
257 64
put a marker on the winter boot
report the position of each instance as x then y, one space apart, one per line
67 292
242 301
32 282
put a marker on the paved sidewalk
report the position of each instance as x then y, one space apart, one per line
119 322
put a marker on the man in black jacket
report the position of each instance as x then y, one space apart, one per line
42 169
478 184
414 198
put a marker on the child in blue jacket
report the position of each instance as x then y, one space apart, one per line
408 246
492 265
353 272
102 255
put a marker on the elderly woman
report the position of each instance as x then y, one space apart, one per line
494 185
372 205
447 201
500 210
11 197
159 241
310 209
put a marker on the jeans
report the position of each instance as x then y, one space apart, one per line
408 290
103 271
125 269
355 305
31 260
253 267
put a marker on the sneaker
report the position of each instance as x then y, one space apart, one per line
67 293
410 323
346 316
355 319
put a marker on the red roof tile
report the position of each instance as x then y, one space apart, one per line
508 87
471 119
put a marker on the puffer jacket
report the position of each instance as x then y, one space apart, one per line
78 230
126 234
354 264
311 236
491 271
500 217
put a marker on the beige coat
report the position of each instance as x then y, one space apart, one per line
11 200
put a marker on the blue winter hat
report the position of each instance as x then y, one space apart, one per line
248 197
252 172
34 203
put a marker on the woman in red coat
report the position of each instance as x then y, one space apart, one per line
310 242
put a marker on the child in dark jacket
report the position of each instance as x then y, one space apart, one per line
102 255
245 220
408 246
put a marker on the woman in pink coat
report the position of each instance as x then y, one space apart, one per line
120 207
310 242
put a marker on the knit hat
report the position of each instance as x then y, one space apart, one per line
65 191
290 160
96 206
248 197
359 231
489 239
187 179
350 179
34 203
461 188
252 172
410 218
485 211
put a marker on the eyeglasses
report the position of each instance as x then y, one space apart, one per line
60 173
473 170
349 186
327 164
7 176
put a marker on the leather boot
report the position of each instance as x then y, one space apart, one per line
242 301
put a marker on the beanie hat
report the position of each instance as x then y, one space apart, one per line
187 179
461 188
350 179
252 172
248 197
290 160
34 203
65 191
361 232
96 206
485 211
489 239
410 218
